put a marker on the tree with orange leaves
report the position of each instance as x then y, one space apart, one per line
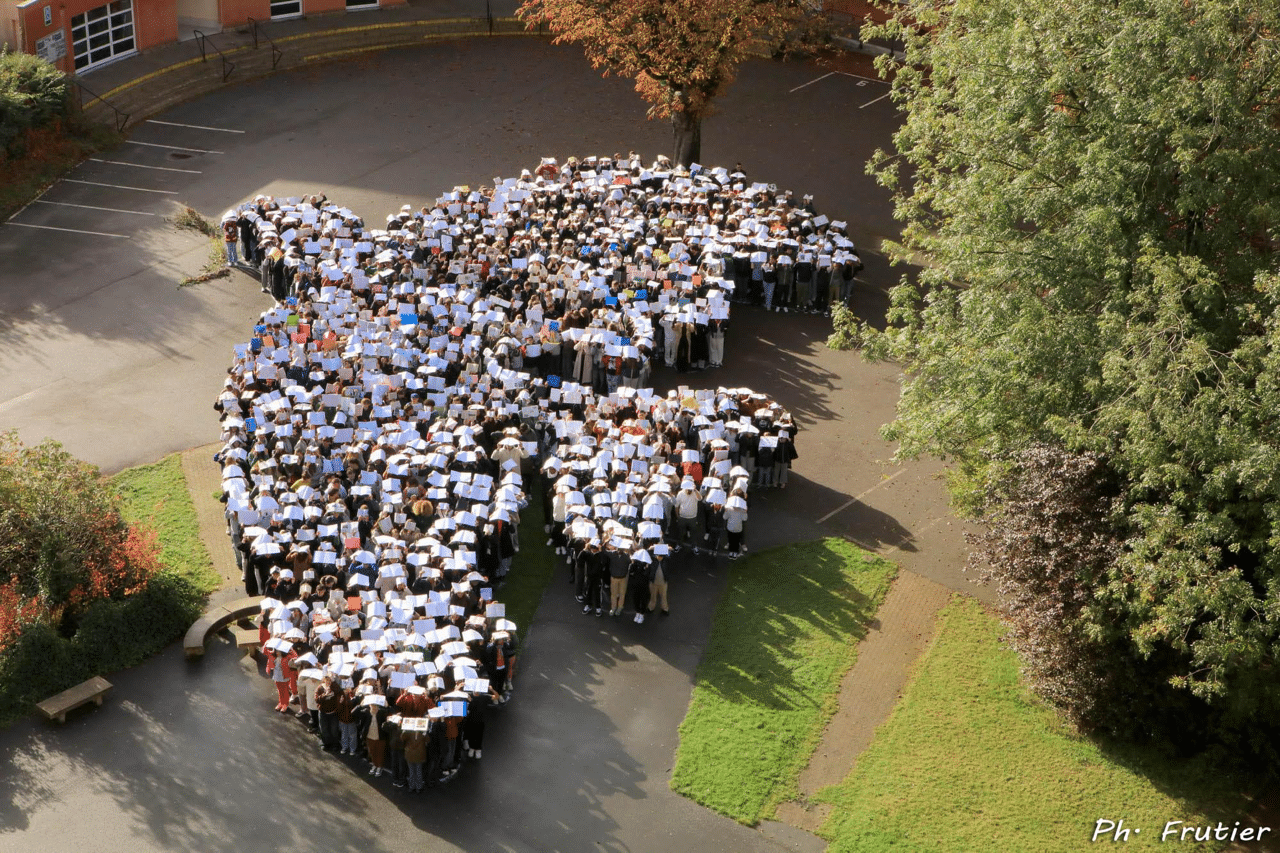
682 53
63 542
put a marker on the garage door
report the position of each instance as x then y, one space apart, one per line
103 34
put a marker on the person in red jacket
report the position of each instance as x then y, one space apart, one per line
279 665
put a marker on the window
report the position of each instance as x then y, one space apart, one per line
103 34
285 8
362 4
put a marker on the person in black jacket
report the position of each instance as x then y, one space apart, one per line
589 574
713 516
804 284
659 576
748 448
783 454
248 241
638 582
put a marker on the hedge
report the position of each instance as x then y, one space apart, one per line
111 635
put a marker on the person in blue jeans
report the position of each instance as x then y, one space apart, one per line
231 238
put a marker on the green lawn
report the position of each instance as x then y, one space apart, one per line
532 568
785 633
156 495
970 760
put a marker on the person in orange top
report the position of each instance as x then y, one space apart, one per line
278 665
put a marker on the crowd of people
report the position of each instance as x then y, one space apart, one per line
379 427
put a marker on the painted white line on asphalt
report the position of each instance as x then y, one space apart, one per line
193 126
28 204
860 77
869 103
92 207
72 230
171 147
140 166
118 186
854 500
811 82
913 537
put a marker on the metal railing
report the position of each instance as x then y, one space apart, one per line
122 118
227 65
255 29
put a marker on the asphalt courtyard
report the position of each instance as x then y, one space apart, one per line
104 352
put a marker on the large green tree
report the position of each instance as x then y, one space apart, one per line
1094 186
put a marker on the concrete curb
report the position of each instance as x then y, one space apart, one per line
166 87
860 46
215 620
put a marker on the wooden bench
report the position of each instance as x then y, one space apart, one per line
56 707
246 639
215 620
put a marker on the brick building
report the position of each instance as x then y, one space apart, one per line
80 35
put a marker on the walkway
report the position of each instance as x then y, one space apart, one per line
901 632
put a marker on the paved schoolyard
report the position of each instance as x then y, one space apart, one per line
105 353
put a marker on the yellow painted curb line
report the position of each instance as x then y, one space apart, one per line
235 51
351 51
151 76
433 22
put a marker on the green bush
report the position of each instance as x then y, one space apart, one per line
111 635
40 663
33 93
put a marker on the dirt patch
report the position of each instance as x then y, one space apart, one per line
901 631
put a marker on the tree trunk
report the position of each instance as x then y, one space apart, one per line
687 130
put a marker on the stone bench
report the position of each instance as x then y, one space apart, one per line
56 707
247 639
215 620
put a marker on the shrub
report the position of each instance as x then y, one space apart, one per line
63 542
33 94
112 634
38 664
82 591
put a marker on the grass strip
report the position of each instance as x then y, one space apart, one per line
156 496
786 631
532 568
970 759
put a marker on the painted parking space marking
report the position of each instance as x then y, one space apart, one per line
193 126
141 166
171 147
94 207
72 230
117 186
811 82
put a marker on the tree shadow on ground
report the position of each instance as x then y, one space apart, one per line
185 754
751 655
1224 793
